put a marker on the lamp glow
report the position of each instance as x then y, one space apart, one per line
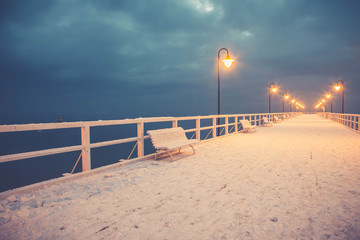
227 61
337 87
328 95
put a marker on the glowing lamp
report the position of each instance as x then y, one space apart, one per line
323 100
337 87
273 88
328 95
293 100
228 61
286 97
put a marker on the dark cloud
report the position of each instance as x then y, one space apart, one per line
89 59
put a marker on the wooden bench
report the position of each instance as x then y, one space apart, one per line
247 125
168 139
276 119
266 122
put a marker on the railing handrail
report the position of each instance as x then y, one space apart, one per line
85 126
98 123
349 120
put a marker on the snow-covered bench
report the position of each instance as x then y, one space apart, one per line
266 122
276 119
168 139
247 125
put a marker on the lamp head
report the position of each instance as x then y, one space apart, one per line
293 100
228 61
337 87
273 87
328 95
286 96
323 100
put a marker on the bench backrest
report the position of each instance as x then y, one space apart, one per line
245 123
163 137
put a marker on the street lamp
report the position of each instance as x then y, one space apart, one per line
286 97
272 88
338 86
329 96
323 101
227 62
292 101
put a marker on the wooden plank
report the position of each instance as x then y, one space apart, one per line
33 154
206 128
214 127
64 125
115 142
198 129
226 125
140 141
85 152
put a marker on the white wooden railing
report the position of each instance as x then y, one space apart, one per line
349 120
85 127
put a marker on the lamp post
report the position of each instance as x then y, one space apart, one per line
286 97
323 101
292 101
272 87
338 86
227 62
329 96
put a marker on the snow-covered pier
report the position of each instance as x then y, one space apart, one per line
296 180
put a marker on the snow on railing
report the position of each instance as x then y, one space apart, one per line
86 145
349 120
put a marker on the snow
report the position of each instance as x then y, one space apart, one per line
296 180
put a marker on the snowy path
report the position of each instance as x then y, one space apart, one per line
297 180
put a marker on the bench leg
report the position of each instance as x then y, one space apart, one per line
170 155
192 148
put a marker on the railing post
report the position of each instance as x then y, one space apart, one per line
226 125
214 127
236 119
85 152
140 141
198 129
174 123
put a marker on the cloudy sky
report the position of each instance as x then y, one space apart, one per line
114 59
